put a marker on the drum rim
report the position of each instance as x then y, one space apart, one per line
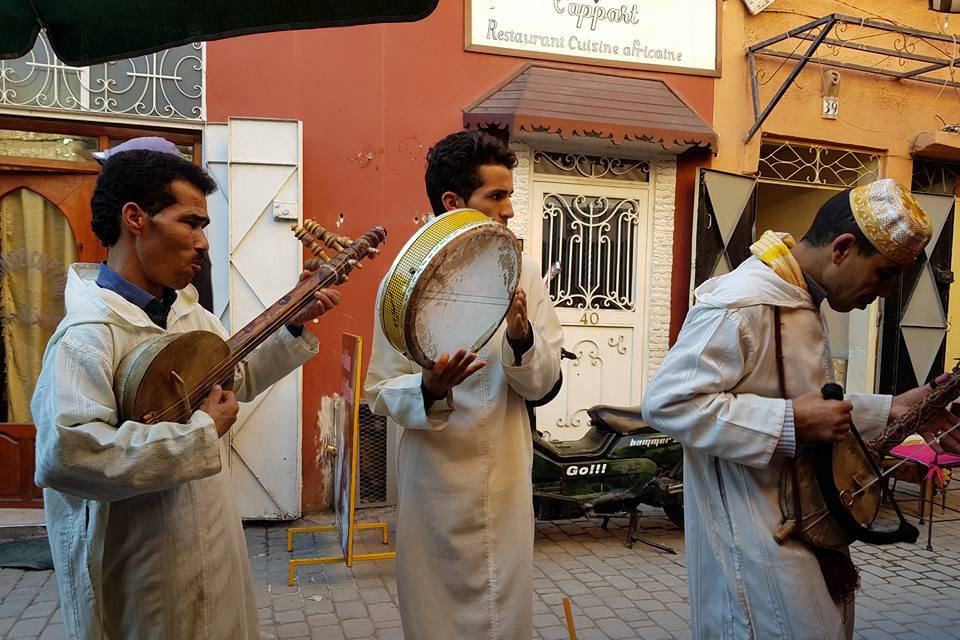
404 319
401 255
419 356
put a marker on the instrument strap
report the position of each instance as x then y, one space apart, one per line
838 571
782 381
778 345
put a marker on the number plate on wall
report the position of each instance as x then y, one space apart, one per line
831 107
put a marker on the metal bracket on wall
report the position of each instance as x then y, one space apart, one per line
905 45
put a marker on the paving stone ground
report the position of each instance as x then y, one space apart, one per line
908 593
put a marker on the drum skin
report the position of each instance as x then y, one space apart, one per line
450 287
144 383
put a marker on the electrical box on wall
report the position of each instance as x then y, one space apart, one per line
286 210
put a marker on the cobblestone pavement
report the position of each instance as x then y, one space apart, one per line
617 593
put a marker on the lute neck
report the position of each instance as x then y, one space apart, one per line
918 415
286 308
280 313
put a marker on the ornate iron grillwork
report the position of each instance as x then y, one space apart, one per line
817 165
373 471
594 167
594 239
166 84
935 176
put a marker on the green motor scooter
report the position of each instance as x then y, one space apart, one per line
618 465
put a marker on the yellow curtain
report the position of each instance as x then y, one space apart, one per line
36 245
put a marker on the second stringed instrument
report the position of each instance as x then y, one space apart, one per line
833 493
165 379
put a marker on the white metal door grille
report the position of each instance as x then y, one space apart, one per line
573 165
594 240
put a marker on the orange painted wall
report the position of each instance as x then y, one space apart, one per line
372 100
876 113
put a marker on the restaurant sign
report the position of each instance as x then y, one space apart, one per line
678 35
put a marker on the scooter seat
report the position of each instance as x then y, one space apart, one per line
625 421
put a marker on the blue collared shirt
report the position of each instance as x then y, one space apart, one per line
157 309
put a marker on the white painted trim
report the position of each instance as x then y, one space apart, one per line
663 175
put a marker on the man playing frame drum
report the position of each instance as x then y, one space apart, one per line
146 537
464 514
742 387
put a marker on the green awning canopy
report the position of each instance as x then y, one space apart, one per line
84 32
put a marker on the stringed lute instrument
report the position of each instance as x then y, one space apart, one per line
165 379
831 493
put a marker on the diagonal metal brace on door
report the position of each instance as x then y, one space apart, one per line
819 32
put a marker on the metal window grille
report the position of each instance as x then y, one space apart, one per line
377 460
166 84
808 164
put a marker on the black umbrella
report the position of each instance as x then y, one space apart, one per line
84 32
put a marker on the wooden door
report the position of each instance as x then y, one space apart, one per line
70 193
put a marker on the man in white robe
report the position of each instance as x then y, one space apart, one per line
718 392
146 536
465 513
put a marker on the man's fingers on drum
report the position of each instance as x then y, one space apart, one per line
453 362
459 366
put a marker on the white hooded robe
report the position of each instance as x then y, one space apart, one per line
146 536
717 392
465 511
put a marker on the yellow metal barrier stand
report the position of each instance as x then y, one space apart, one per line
347 450
302 562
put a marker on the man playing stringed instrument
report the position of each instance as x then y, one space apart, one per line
465 511
742 387
146 537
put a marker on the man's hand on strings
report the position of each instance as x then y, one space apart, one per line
323 301
819 420
222 406
449 372
517 323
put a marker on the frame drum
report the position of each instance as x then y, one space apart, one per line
450 287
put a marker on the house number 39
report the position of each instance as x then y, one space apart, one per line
831 107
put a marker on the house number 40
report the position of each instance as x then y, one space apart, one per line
590 318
